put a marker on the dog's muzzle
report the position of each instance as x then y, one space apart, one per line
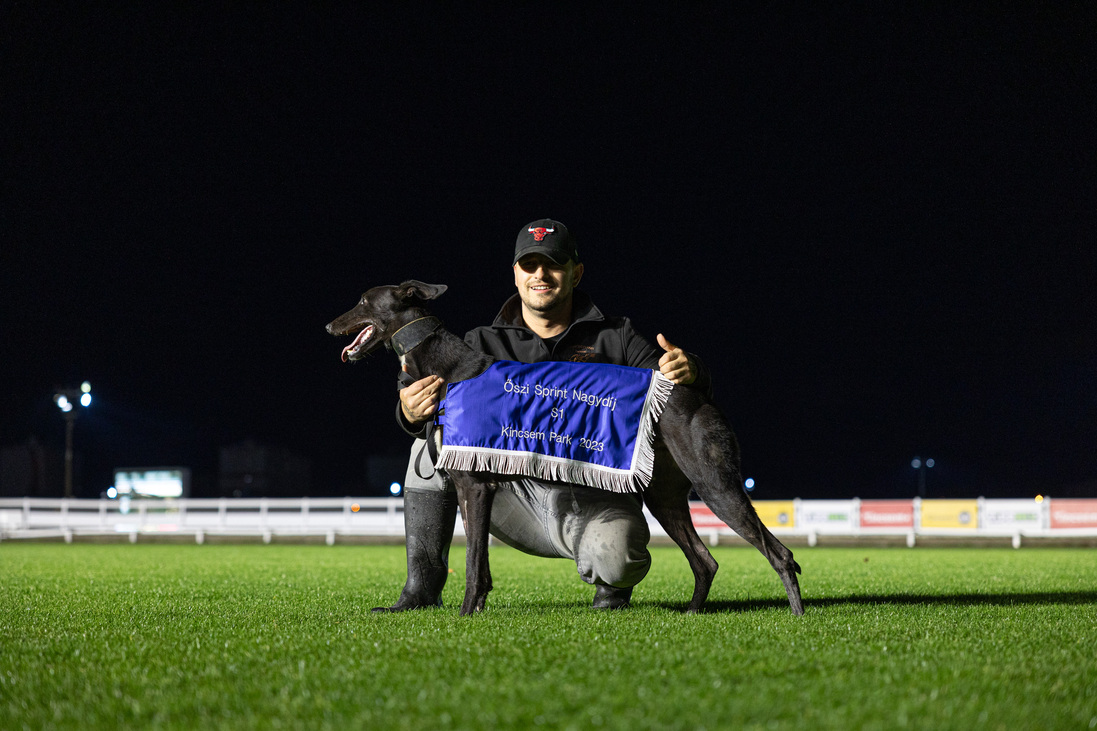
354 350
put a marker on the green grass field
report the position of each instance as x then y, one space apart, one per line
280 636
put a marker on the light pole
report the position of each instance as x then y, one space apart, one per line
66 400
922 465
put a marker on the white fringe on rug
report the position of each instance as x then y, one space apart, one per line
558 469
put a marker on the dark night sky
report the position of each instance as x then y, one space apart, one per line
876 228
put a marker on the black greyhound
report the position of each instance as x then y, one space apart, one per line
693 429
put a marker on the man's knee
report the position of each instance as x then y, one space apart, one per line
614 552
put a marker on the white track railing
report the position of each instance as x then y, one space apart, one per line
262 517
331 518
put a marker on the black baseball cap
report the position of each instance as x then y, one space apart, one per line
548 237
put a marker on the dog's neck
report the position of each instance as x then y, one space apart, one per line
444 354
410 336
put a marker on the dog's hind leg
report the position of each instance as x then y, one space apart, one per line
741 517
706 450
476 498
668 501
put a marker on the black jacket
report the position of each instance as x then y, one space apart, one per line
591 338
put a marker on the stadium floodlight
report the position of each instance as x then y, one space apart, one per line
922 465
66 398
395 488
749 483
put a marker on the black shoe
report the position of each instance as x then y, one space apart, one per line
429 516
610 597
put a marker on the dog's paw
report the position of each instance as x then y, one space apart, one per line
473 605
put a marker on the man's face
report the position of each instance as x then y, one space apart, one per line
543 285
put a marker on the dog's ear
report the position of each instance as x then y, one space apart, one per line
413 289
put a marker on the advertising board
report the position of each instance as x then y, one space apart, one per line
824 516
950 514
703 517
776 513
1073 513
1010 514
897 514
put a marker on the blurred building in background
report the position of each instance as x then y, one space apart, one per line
250 469
32 469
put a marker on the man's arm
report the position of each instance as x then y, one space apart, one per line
417 405
670 360
675 363
419 401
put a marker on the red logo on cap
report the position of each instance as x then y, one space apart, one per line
539 232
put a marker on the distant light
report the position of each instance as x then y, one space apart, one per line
355 507
85 387
164 483
111 492
63 403
916 463
395 488
1039 498
930 463
749 483
85 400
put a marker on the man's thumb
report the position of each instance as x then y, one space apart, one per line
664 343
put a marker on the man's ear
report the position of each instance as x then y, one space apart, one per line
414 289
577 274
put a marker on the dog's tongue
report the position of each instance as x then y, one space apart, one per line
362 337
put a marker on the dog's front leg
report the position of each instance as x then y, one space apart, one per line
476 498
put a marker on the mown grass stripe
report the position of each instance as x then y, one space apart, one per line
280 636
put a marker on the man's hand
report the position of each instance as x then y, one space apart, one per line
675 364
420 400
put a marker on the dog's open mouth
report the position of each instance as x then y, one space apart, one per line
354 350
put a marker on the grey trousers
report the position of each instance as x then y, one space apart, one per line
605 533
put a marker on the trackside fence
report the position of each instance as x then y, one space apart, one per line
334 518
975 518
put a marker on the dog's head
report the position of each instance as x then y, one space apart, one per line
381 312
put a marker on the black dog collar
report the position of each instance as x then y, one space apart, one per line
409 337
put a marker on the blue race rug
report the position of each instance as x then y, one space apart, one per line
583 423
